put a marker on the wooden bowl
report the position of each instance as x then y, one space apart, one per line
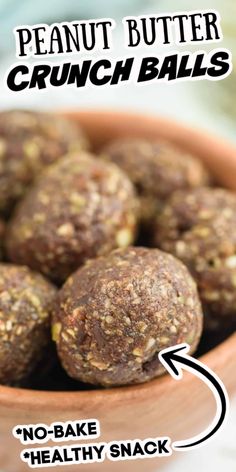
162 406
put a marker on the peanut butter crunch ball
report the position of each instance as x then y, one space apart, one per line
199 228
114 315
80 208
156 169
29 141
25 303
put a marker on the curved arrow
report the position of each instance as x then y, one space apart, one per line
174 363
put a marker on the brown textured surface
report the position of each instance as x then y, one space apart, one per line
29 141
2 235
80 208
150 408
199 228
114 315
156 168
25 303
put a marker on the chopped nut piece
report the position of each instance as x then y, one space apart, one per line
67 229
56 329
230 262
137 352
151 342
99 365
124 237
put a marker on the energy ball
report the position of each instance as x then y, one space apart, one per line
79 209
25 303
114 315
29 141
156 169
198 227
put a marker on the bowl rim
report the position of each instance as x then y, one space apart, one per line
23 397
32 398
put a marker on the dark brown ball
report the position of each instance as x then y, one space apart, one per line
25 304
29 141
156 168
114 315
80 208
199 228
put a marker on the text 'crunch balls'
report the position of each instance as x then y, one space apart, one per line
114 315
156 169
25 303
29 141
80 208
199 228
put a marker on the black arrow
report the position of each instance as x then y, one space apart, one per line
174 363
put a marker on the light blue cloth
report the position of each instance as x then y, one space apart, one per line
22 12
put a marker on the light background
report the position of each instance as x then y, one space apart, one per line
209 105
